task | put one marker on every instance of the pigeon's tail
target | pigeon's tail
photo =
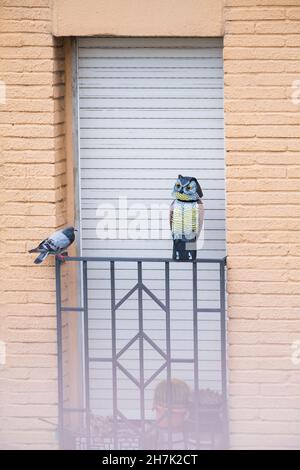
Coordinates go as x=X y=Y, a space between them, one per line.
x=41 y=258
x=34 y=250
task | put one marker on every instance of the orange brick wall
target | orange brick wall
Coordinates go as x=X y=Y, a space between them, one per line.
x=262 y=62
x=32 y=205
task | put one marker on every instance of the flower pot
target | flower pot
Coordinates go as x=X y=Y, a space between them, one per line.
x=176 y=419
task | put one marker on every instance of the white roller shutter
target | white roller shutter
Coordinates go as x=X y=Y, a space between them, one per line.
x=148 y=110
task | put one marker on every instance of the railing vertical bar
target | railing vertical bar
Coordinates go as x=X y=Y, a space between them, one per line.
x=196 y=355
x=223 y=350
x=141 y=352
x=114 y=353
x=168 y=351
x=59 y=355
x=86 y=353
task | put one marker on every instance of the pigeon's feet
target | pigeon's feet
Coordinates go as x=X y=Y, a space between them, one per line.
x=62 y=257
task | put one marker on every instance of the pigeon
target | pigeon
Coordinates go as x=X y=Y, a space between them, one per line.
x=55 y=244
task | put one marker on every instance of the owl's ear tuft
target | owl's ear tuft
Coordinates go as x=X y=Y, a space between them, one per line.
x=179 y=177
x=199 y=189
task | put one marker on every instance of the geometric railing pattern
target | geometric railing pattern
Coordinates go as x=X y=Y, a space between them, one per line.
x=204 y=423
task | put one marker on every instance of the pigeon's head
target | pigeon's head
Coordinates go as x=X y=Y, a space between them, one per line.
x=70 y=233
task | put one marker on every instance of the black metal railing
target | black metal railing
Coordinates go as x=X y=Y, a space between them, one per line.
x=201 y=421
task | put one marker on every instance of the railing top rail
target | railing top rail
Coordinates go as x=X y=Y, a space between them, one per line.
x=144 y=260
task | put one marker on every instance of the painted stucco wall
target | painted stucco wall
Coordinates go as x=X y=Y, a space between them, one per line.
x=138 y=18
x=262 y=113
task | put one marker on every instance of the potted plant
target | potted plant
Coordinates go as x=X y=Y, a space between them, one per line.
x=171 y=410
x=209 y=399
x=205 y=413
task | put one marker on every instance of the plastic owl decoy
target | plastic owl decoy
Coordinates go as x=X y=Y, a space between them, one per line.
x=186 y=217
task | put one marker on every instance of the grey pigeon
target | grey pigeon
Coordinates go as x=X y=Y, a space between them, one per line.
x=55 y=244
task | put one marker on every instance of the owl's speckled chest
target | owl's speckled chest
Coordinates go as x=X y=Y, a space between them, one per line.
x=185 y=220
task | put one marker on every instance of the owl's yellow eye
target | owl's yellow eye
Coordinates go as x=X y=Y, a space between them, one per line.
x=189 y=187
x=178 y=185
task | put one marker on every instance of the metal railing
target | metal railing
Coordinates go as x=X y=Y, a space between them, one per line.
x=203 y=422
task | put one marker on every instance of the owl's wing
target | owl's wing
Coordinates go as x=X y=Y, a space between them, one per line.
x=171 y=214
x=201 y=217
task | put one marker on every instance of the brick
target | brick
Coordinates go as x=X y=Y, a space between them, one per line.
x=264 y=300
x=237 y=415
x=280 y=390
x=295 y=376
x=41 y=436
x=24 y=208
x=272 y=363
x=293 y=40
x=25 y=13
x=43 y=446
x=293 y=13
x=245 y=389
x=32 y=361
x=256 y=172
x=293 y=172
x=255 y=41
x=262 y=106
x=17 y=323
x=267 y=210
x=32 y=410
x=250 y=92
x=33 y=424
x=263 y=198
x=264 y=402
x=29 y=3
x=29 y=156
x=33 y=348
x=248 y=13
x=258 y=249
x=259 y=376
x=35 y=398
x=263 y=287
x=239 y=27
x=240 y=3
x=257 y=275
x=272 y=158
x=255 y=66
x=258 y=350
x=277 y=2
x=250 y=337
x=236 y=312
x=25 y=39
x=256 y=3
x=261 y=53
x=264 y=325
x=30 y=183
x=265 y=428
x=25 y=26
x=268 y=262
x=280 y=415
x=264 y=442
x=277 y=27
